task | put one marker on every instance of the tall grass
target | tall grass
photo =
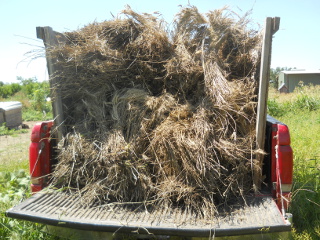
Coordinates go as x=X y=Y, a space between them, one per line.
x=303 y=98
x=301 y=112
x=306 y=200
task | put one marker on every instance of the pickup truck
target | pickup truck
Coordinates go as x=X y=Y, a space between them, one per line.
x=264 y=213
x=263 y=216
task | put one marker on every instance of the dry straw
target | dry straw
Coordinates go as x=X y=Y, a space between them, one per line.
x=158 y=117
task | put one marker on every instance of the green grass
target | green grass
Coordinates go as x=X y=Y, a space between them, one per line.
x=29 y=114
x=304 y=129
x=14 y=186
x=15 y=166
x=13 y=132
x=301 y=112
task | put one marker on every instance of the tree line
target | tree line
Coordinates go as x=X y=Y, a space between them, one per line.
x=28 y=86
x=31 y=89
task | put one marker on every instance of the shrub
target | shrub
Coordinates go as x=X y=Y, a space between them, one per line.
x=40 y=93
x=7 y=90
x=37 y=107
x=274 y=108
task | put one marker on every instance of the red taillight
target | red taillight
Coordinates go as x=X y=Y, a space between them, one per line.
x=283 y=138
x=39 y=155
x=285 y=164
x=282 y=162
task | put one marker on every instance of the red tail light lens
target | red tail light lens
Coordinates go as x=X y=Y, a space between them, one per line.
x=39 y=155
x=282 y=162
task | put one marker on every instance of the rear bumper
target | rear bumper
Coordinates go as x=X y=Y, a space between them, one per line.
x=77 y=234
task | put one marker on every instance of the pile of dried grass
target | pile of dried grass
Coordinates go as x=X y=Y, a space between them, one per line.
x=159 y=118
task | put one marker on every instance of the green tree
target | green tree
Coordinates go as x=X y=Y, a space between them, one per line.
x=5 y=91
x=15 y=87
x=28 y=85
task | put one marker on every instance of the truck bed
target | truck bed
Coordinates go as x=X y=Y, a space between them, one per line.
x=61 y=209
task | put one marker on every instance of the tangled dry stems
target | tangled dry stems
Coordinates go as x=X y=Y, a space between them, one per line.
x=155 y=117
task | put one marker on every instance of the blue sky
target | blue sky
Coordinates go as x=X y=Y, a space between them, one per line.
x=296 y=44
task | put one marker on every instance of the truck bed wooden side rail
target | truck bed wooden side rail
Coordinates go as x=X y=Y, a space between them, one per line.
x=271 y=27
x=51 y=39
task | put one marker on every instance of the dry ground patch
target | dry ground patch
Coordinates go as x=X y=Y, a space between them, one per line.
x=14 y=150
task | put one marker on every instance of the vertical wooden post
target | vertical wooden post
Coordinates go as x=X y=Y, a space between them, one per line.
x=271 y=27
x=51 y=39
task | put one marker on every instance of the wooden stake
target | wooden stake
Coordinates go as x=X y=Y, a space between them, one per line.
x=51 y=39
x=271 y=27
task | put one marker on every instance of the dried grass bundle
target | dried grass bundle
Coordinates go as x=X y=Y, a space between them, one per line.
x=159 y=119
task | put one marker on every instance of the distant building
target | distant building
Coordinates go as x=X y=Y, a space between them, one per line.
x=283 y=88
x=289 y=80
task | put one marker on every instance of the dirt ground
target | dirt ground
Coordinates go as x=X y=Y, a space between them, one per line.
x=14 y=150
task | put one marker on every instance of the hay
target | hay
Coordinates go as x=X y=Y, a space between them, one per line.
x=159 y=118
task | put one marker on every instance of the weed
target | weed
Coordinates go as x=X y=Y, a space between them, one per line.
x=274 y=108
x=307 y=102
x=14 y=187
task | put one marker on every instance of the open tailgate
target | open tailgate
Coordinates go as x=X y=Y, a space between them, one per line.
x=60 y=209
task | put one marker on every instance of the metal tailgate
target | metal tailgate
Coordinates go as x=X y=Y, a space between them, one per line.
x=60 y=209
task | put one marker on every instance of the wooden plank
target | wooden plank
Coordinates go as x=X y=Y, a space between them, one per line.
x=50 y=39
x=271 y=27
